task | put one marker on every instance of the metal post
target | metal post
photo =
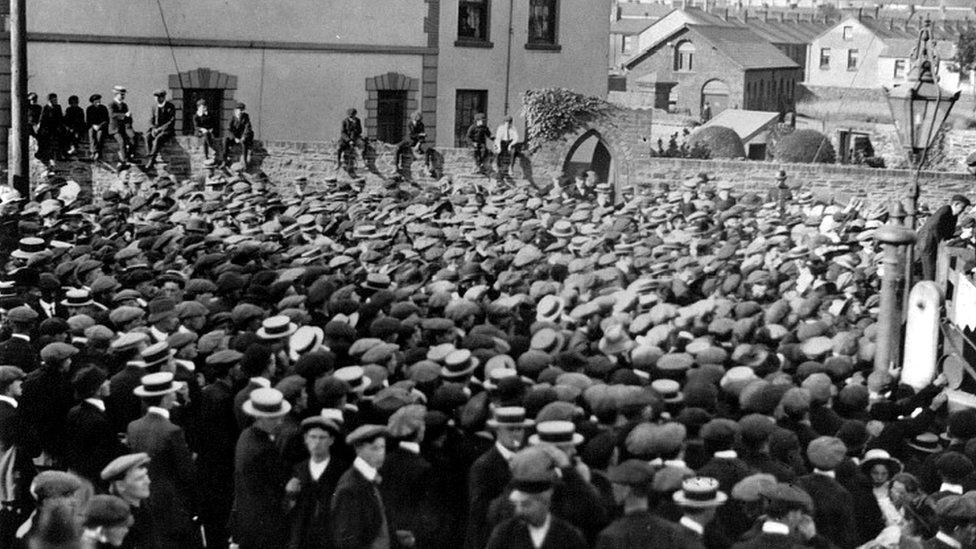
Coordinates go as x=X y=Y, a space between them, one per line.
x=897 y=212
x=891 y=237
x=19 y=161
x=508 y=52
x=782 y=189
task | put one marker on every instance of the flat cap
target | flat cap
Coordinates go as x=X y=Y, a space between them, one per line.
x=118 y=467
x=57 y=351
x=106 y=511
x=826 y=453
x=9 y=374
x=632 y=472
x=750 y=488
x=22 y=313
x=365 y=434
x=788 y=494
x=406 y=421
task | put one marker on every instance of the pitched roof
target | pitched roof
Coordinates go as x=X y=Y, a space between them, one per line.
x=744 y=47
x=747 y=124
x=902 y=48
x=640 y=10
x=630 y=27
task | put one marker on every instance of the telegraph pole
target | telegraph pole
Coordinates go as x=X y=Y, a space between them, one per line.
x=19 y=162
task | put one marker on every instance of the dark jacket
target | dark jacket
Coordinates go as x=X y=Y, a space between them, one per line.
x=357 y=512
x=487 y=479
x=13 y=433
x=407 y=479
x=117 y=121
x=309 y=518
x=834 y=515
x=638 y=529
x=162 y=118
x=259 y=480
x=52 y=119
x=352 y=129
x=171 y=471
x=479 y=135
x=218 y=437
x=514 y=534
x=19 y=352
x=937 y=228
x=74 y=118
x=91 y=441
x=96 y=115
x=122 y=405
x=205 y=122
x=47 y=397
x=240 y=128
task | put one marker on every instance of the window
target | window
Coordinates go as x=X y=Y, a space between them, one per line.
x=468 y=103
x=628 y=44
x=900 y=68
x=848 y=33
x=215 y=101
x=391 y=115
x=473 y=21
x=543 y=23
x=684 y=57
x=824 y=58
x=852 y=60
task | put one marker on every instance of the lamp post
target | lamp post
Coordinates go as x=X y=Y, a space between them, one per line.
x=783 y=191
x=892 y=238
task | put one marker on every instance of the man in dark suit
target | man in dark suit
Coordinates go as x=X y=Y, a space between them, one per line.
x=162 y=120
x=258 y=518
x=15 y=459
x=122 y=404
x=173 y=496
x=719 y=437
x=47 y=399
x=91 y=442
x=50 y=130
x=834 y=515
x=359 y=516
x=936 y=229
x=407 y=475
x=18 y=350
x=128 y=478
x=239 y=132
x=350 y=135
x=312 y=485
x=699 y=498
x=216 y=446
x=120 y=123
x=259 y=374
x=533 y=524
x=490 y=473
x=204 y=125
x=637 y=527
x=96 y=118
x=788 y=522
x=957 y=523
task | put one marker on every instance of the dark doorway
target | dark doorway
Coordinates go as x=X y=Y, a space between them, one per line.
x=467 y=104
x=391 y=115
x=215 y=100
x=590 y=153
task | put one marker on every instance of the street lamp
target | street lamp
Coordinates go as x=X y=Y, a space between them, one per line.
x=920 y=107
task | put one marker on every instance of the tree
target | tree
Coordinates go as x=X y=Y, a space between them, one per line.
x=719 y=141
x=966 y=50
x=805 y=146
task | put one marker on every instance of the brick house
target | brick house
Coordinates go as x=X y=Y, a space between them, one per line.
x=719 y=66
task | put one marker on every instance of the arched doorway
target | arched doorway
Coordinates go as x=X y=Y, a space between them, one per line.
x=715 y=94
x=590 y=152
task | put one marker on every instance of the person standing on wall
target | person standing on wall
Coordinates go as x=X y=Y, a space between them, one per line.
x=49 y=131
x=936 y=229
x=350 y=136
x=161 y=123
x=506 y=138
x=119 y=123
x=74 y=124
x=239 y=132
x=478 y=137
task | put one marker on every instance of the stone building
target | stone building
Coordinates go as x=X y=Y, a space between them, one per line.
x=299 y=64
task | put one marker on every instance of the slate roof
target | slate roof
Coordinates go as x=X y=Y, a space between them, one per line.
x=901 y=48
x=743 y=47
x=747 y=124
x=630 y=27
x=643 y=11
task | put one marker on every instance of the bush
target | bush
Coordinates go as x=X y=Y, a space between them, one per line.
x=719 y=141
x=551 y=113
x=805 y=146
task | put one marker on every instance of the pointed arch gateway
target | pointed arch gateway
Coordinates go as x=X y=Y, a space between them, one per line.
x=591 y=152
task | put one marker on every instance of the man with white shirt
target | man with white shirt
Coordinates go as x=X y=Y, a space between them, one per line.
x=312 y=484
x=957 y=523
x=699 y=498
x=172 y=467
x=506 y=138
x=788 y=522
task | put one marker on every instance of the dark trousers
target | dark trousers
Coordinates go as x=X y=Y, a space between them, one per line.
x=480 y=154
x=155 y=144
x=927 y=256
x=11 y=517
x=125 y=145
x=96 y=138
x=230 y=142
x=207 y=139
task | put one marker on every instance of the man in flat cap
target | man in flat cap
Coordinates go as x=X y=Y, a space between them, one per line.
x=92 y=443
x=18 y=350
x=172 y=468
x=938 y=228
x=350 y=137
x=16 y=468
x=120 y=123
x=478 y=136
x=408 y=476
x=47 y=399
x=957 y=523
x=834 y=513
x=128 y=478
x=96 y=119
x=312 y=485
x=788 y=520
x=239 y=133
x=106 y=522
x=359 y=515
x=162 y=120
x=638 y=527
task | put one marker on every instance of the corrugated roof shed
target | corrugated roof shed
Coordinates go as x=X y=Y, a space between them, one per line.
x=747 y=124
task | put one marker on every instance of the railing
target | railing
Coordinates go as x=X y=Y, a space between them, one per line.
x=959 y=322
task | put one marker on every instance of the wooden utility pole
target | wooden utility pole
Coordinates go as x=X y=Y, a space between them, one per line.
x=19 y=161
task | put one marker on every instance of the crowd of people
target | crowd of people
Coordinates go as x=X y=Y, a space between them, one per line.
x=319 y=365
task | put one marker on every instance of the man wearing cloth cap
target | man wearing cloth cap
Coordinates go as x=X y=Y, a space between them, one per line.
x=120 y=122
x=162 y=119
x=18 y=350
x=312 y=484
x=239 y=132
x=106 y=522
x=128 y=478
x=788 y=521
x=47 y=398
x=96 y=118
x=638 y=527
x=408 y=476
x=16 y=469
x=350 y=135
x=533 y=525
x=834 y=514
x=478 y=136
x=172 y=469
x=957 y=523
x=936 y=229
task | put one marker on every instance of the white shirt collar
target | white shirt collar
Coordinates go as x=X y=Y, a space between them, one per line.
x=949 y=487
x=726 y=454
x=538 y=533
x=262 y=381
x=675 y=463
x=947 y=539
x=505 y=452
x=410 y=446
x=9 y=400
x=25 y=337
x=830 y=474
x=316 y=469
x=690 y=524
x=160 y=411
x=96 y=402
x=773 y=527
x=366 y=469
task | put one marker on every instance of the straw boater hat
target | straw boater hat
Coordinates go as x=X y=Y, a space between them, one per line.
x=305 y=339
x=509 y=416
x=276 y=327
x=558 y=433
x=158 y=384
x=458 y=363
x=354 y=376
x=77 y=298
x=265 y=402
x=29 y=247
x=700 y=492
x=877 y=456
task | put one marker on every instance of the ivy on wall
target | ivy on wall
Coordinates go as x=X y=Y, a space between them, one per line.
x=551 y=113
